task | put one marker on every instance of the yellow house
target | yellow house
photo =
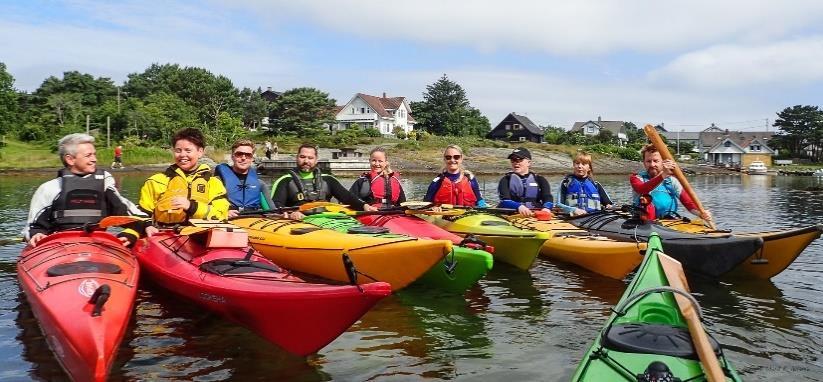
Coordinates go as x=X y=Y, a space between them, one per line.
x=741 y=153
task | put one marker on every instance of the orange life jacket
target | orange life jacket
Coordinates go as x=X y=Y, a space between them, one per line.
x=458 y=193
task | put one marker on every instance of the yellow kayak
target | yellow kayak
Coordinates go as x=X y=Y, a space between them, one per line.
x=597 y=253
x=512 y=245
x=398 y=260
x=779 y=250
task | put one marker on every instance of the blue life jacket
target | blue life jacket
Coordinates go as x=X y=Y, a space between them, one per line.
x=524 y=190
x=664 y=196
x=243 y=195
x=582 y=194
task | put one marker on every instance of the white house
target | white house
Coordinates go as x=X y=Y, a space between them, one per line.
x=382 y=113
x=594 y=127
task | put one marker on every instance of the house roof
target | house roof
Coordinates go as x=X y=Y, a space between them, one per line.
x=742 y=145
x=710 y=138
x=382 y=105
x=615 y=127
x=684 y=135
x=527 y=123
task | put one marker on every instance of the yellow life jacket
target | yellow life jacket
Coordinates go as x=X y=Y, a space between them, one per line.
x=194 y=186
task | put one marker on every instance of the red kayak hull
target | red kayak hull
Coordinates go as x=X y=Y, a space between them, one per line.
x=298 y=316
x=410 y=225
x=59 y=277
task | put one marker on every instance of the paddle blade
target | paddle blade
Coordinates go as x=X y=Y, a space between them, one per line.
x=416 y=205
x=677 y=279
x=327 y=205
x=116 y=221
x=189 y=230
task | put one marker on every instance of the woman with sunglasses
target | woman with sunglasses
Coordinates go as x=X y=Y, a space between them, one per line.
x=522 y=189
x=186 y=189
x=455 y=185
x=381 y=186
x=245 y=190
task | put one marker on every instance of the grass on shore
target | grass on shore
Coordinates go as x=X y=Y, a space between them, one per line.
x=23 y=155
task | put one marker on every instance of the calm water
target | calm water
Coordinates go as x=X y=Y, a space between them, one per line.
x=515 y=325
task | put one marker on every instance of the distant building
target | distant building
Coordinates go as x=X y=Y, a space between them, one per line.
x=592 y=128
x=382 y=113
x=270 y=96
x=516 y=128
x=719 y=146
x=690 y=137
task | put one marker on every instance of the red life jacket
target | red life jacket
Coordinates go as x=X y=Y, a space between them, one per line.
x=379 y=184
x=458 y=193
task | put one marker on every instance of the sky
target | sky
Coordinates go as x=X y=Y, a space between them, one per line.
x=686 y=64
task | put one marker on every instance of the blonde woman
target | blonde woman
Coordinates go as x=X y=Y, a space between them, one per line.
x=455 y=185
x=579 y=191
x=379 y=187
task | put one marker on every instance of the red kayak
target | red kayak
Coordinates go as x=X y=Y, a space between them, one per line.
x=410 y=225
x=81 y=287
x=244 y=287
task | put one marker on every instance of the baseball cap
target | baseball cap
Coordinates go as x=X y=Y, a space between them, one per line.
x=520 y=152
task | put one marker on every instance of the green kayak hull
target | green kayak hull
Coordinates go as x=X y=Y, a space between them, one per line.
x=459 y=270
x=620 y=352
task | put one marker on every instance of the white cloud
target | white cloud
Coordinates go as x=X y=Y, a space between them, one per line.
x=783 y=63
x=583 y=27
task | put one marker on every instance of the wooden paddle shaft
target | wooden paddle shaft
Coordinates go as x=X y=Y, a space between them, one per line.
x=677 y=279
x=661 y=147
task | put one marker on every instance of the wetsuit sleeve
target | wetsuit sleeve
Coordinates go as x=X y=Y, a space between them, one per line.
x=280 y=197
x=342 y=194
x=265 y=193
x=402 y=197
x=505 y=194
x=432 y=190
x=481 y=203
x=604 y=196
x=545 y=192
x=642 y=187
x=356 y=189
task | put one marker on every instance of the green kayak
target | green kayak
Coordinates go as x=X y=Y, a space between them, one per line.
x=647 y=338
x=512 y=245
x=459 y=270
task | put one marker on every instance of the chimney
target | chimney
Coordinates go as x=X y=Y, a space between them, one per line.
x=384 y=94
x=599 y=119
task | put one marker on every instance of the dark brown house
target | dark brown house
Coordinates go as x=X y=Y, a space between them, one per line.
x=516 y=128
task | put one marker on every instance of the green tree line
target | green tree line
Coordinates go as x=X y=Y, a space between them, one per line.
x=151 y=105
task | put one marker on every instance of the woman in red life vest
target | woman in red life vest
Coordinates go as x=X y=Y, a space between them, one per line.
x=455 y=185
x=379 y=187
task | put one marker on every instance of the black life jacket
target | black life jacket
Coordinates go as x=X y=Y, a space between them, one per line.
x=308 y=190
x=82 y=199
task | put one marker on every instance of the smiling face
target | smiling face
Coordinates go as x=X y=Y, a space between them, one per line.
x=307 y=159
x=186 y=154
x=242 y=158
x=453 y=159
x=653 y=163
x=84 y=161
x=520 y=165
x=581 y=169
x=378 y=162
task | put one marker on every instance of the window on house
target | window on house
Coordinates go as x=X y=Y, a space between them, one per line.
x=368 y=110
x=516 y=126
x=590 y=129
x=727 y=144
x=522 y=139
x=508 y=127
x=362 y=110
x=352 y=110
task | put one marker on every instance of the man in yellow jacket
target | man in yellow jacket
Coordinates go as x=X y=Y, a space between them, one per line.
x=185 y=190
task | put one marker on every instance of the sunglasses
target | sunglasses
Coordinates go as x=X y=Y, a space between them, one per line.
x=516 y=159
x=240 y=154
x=450 y=157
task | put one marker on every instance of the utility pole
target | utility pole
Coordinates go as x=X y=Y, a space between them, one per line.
x=108 y=132
x=87 y=124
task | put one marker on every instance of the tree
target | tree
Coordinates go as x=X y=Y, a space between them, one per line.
x=606 y=136
x=8 y=101
x=302 y=111
x=552 y=134
x=445 y=110
x=801 y=126
x=633 y=133
x=255 y=107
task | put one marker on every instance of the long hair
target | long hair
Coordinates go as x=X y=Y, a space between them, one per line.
x=68 y=145
x=585 y=159
x=380 y=149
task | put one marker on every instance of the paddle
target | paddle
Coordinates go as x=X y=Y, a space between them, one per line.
x=677 y=279
x=539 y=214
x=654 y=138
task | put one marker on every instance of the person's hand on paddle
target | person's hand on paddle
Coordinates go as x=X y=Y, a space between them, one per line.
x=524 y=211
x=234 y=213
x=37 y=237
x=294 y=215
x=126 y=241
x=151 y=231
x=668 y=168
x=369 y=207
x=706 y=215
x=437 y=209
x=579 y=211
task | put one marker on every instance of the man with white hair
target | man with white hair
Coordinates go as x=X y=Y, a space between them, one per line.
x=81 y=194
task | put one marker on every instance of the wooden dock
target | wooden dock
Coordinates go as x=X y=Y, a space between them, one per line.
x=329 y=166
